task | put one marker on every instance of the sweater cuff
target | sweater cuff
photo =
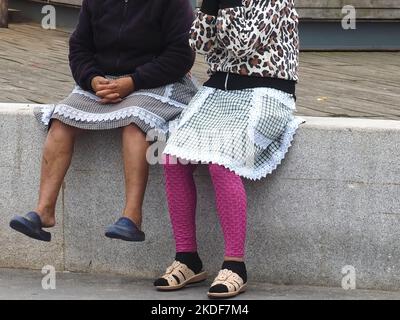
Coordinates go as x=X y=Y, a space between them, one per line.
x=210 y=7
x=136 y=81
x=223 y=4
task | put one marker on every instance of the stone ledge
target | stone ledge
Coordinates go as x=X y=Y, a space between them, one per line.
x=333 y=202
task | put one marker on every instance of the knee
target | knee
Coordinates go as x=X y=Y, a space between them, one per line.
x=217 y=170
x=133 y=130
x=223 y=176
x=174 y=167
x=60 y=131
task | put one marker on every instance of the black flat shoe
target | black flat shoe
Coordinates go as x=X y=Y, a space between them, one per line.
x=31 y=226
x=125 y=229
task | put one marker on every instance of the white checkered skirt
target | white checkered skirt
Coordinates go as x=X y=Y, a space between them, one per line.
x=247 y=131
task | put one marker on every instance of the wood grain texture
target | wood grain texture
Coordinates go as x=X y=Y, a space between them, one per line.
x=34 y=69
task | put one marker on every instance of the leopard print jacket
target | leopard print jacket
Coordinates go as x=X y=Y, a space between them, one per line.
x=259 y=38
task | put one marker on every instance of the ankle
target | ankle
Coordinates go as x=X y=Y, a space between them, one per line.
x=47 y=210
x=238 y=267
x=191 y=259
x=135 y=217
x=47 y=216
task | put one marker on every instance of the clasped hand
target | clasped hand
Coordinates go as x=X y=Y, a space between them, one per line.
x=112 y=91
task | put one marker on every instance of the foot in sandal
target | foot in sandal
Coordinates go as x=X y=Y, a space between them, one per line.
x=125 y=229
x=230 y=282
x=32 y=226
x=186 y=269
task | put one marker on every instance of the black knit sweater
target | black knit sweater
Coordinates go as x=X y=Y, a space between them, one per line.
x=147 y=39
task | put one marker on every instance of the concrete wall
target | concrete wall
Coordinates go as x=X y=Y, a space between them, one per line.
x=333 y=202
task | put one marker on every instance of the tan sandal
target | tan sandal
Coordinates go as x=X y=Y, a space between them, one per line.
x=179 y=275
x=232 y=281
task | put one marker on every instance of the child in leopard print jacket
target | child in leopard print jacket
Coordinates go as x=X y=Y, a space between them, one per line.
x=251 y=38
x=241 y=124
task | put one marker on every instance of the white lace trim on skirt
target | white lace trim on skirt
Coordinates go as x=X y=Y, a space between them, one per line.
x=246 y=172
x=71 y=113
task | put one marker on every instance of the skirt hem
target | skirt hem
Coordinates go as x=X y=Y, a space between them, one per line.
x=142 y=124
x=141 y=117
x=245 y=172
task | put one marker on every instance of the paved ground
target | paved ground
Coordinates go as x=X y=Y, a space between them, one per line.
x=34 y=68
x=26 y=285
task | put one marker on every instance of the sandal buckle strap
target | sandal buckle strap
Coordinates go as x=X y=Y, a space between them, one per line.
x=229 y=279
x=177 y=273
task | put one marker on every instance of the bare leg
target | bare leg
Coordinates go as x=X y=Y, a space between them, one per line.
x=136 y=167
x=57 y=155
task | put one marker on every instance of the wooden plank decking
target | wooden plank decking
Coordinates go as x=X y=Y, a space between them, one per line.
x=34 y=69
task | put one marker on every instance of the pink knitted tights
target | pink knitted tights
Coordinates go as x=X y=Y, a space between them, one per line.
x=230 y=199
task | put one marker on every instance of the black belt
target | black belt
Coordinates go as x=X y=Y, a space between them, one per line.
x=232 y=81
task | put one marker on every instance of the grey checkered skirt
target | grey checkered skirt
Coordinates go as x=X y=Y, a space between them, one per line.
x=247 y=131
x=148 y=109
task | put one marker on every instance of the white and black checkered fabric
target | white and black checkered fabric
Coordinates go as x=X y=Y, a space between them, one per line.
x=148 y=109
x=248 y=131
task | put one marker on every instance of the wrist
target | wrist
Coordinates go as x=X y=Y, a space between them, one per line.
x=136 y=81
x=91 y=82
x=130 y=84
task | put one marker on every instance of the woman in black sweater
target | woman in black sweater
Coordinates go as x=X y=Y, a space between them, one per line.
x=130 y=60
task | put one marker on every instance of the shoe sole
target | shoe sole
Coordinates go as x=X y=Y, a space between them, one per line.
x=121 y=234
x=195 y=279
x=214 y=295
x=21 y=227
